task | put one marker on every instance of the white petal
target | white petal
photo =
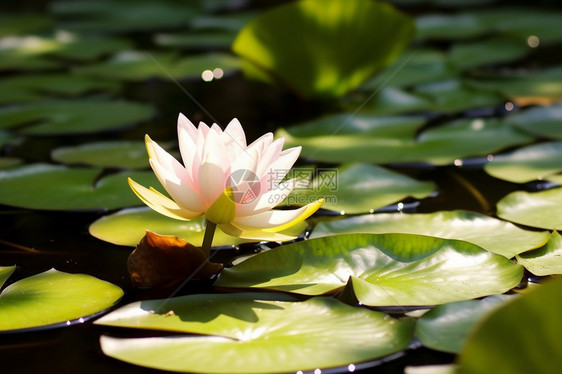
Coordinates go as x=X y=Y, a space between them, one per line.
x=232 y=230
x=235 y=131
x=183 y=194
x=167 y=162
x=279 y=168
x=270 y=154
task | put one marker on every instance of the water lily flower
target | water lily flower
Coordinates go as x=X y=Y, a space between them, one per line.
x=234 y=185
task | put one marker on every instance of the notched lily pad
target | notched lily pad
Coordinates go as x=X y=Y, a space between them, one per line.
x=53 y=297
x=253 y=333
x=379 y=269
x=546 y=260
x=56 y=187
x=540 y=121
x=489 y=233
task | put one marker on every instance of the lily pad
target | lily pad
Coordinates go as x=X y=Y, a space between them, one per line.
x=452 y=95
x=526 y=164
x=208 y=41
x=392 y=100
x=56 y=187
x=446 y=327
x=414 y=66
x=26 y=23
x=253 y=333
x=522 y=22
x=54 y=297
x=546 y=260
x=369 y=138
x=118 y=154
x=27 y=53
x=382 y=269
x=522 y=84
x=449 y=26
x=359 y=188
x=123 y=16
x=487 y=52
x=522 y=336
x=535 y=209
x=139 y=66
x=335 y=53
x=489 y=233
x=128 y=226
x=34 y=87
x=8 y=162
x=539 y=121
x=73 y=116
x=10 y=139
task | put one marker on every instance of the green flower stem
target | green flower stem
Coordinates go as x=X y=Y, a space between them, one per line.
x=208 y=238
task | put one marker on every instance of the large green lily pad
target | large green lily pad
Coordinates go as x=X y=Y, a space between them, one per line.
x=446 y=327
x=526 y=164
x=122 y=16
x=54 y=297
x=489 y=233
x=522 y=336
x=121 y=154
x=253 y=333
x=539 y=121
x=449 y=26
x=56 y=187
x=536 y=209
x=522 y=22
x=24 y=23
x=522 y=83
x=414 y=66
x=487 y=52
x=128 y=226
x=359 y=188
x=139 y=66
x=369 y=138
x=74 y=116
x=546 y=260
x=35 y=87
x=334 y=54
x=382 y=269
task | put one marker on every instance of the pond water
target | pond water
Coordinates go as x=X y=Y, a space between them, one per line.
x=40 y=239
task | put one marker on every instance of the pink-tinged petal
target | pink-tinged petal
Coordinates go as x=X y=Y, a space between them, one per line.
x=262 y=142
x=246 y=161
x=266 y=201
x=232 y=230
x=161 y=203
x=187 y=127
x=235 y=131
x=182 y=193
x=277 y=220
x=166 y=161
x=211 y=179
x=188 y=150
